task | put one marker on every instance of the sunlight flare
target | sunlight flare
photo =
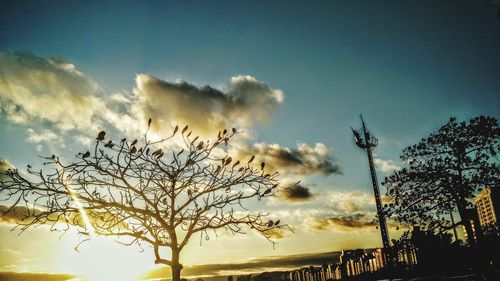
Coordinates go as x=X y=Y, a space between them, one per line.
x=81 y=210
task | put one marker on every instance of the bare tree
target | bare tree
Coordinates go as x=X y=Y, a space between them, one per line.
x=144 y=193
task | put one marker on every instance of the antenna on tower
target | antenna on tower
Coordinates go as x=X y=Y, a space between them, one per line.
x=367 y=141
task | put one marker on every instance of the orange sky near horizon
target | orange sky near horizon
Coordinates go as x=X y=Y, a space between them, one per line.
x=100 y=259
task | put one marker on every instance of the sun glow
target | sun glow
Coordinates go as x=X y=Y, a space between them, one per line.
x=102 y=259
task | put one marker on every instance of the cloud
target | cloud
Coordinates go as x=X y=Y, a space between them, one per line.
x=348 y=202
x=343 y=206
x=358 y=220
x=257 y=265
x=350 y=223
x=278 y=233
x=296 y=193
x=21 y=214
x=335 y=211
x=53 y=90
x=15 y=215
x=347 y=211
x=83 y=140
x=205 y=109
x=25 y=276
x=351 y=206
x=55 y=97
x=386 y=166
x=304 y=160
x=5 y=165
x=342 y=211
x=43 y=136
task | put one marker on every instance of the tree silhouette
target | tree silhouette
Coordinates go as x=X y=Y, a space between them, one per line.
x=156 y=193
x=442 y=172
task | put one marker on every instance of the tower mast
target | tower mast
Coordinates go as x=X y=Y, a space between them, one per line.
x=366 y=141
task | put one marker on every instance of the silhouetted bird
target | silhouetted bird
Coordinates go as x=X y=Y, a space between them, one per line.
x=87 y=154
x=200 y=145
x=101 y=135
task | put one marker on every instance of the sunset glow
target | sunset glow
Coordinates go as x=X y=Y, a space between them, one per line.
x=102 y=259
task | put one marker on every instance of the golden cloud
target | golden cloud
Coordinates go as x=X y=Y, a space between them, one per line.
x=16 y=214
x=205 y=109
x=5 y=165
x=358 y=220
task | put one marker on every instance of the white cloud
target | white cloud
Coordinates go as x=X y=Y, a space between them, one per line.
x=386 y=166
x=43 y=136
x=37 y=89
x=347 y=202
x=83 y=140
x=52 y=93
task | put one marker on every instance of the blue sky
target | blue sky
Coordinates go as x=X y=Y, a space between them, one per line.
x=406 y=65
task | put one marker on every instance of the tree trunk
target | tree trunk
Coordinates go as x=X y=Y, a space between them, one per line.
x=462 y=204
x=466 y=222
x=176 y=266
x=176 y=273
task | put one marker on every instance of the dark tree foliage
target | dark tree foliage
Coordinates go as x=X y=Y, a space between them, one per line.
x=490 y=243
x=442 y=172
x=435 y=253
x=146 y=192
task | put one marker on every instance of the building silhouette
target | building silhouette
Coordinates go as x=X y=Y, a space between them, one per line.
x=247 y=277
x=472 y=215
x=488 y=206
x=323 y=273
x=352 y=263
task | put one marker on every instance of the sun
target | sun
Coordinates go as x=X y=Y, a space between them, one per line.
x=102 y=259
